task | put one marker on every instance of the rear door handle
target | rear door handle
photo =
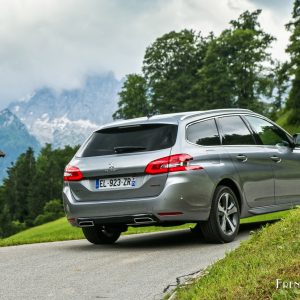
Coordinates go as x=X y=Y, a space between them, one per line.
x=242 y=157
x=276 y=158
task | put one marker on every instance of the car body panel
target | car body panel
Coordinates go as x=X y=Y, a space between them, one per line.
x=286 y=174
x=263 y=186
x=125 y=164
x=255 y=173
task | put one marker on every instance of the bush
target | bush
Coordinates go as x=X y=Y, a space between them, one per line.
x=51 y=211
x=11 y=228
x=17 y=226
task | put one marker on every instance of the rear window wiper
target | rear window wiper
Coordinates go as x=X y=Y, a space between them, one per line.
x=123 y=149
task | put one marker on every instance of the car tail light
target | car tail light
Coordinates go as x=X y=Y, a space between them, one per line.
x=170 y=214
x=172 y=163
x=72 y=174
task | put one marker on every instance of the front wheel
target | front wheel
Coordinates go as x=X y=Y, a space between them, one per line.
x=224 y=219
x=101 y=234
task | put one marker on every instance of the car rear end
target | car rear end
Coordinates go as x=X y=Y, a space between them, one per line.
x=135 y=174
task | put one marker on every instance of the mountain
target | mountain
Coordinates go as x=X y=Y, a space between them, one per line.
x=14 y=140
x=68 y=117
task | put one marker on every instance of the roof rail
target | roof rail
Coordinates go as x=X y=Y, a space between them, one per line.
x=216 y=111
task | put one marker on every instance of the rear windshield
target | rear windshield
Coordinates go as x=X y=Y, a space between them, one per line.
x=138 y=138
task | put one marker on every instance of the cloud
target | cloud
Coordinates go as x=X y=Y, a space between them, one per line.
x=56 y=43
x=277 y=6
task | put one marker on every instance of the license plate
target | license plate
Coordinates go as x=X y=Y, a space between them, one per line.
x=114 y=183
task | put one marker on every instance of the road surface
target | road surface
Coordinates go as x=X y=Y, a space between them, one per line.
x=142 y=266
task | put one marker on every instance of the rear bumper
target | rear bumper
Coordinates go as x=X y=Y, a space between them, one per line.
x=189 y=196
x=138 y=220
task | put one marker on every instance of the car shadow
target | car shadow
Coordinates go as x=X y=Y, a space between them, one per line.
x=165 y=239
x=255 y=226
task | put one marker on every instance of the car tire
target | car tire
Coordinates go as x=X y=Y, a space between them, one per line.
x=224 y=219
x=100 y=235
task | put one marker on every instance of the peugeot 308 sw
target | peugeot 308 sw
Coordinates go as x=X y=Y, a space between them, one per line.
x=207 y=167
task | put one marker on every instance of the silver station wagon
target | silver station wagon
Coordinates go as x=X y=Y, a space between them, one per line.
x=205 y=167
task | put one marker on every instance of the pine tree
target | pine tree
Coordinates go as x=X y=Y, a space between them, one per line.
x=31 y=184
x=15 y=187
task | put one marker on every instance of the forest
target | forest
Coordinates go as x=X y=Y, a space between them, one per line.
x=181 y=71
x=31 y=193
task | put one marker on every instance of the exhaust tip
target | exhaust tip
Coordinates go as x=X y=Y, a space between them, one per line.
x=86 y=223
x=143 y=220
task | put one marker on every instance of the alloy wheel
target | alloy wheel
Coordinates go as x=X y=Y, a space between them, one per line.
x=227 y=213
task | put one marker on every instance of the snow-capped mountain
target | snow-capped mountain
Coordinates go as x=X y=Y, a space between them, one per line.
x=68 y=117
x=14 y=139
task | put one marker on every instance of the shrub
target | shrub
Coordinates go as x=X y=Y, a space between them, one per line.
x=51 y=211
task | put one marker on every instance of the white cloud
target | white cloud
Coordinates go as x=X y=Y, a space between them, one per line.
x=56 y=43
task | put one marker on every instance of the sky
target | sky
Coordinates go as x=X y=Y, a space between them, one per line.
x=57 y=43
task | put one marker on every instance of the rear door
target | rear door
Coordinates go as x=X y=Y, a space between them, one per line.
x=204 y=144
x=285 y=160
x=113 y=162
x=250 y=160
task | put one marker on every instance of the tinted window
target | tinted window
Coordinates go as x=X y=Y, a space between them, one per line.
x=130 y=139
x=268 y=133
x=204 y=133
x=235 y=132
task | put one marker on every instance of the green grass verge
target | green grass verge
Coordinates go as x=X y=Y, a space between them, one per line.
x=250 y=271
x=60 y=230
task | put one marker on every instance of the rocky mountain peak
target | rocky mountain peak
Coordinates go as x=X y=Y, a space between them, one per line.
x=69 y=116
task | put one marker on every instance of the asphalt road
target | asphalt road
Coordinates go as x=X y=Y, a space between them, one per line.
x=136 y=267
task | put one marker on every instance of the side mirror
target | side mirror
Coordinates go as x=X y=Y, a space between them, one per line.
x=2 y=154
x=296 y=137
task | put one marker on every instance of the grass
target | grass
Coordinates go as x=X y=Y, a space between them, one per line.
x=60 y=230
x=250 y=271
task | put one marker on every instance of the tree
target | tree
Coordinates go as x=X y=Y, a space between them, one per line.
x=281 y=84
x=41 y=188
x=214 y=84
x=47 y=182
x=15 y=187
x=170 y=66
x=184 y=71
x=30 y=185
x=237 y=67
x=5 y=217
x=133 y=101
x=293 y=101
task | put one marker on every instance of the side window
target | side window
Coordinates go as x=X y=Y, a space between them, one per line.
x=235 y=131
x=268 y=133
x=203 y=133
